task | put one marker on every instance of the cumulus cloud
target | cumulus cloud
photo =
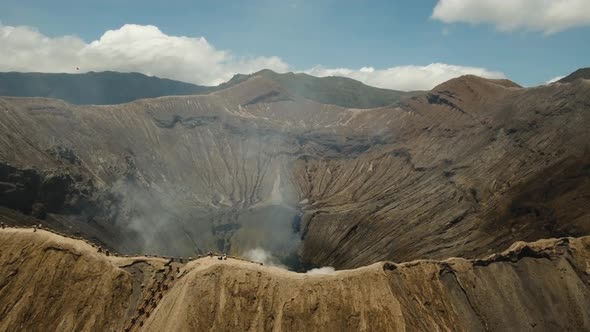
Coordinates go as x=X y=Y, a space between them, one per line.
x=555 y=79
x=146 y=49
x=406 y=78
x=131 y=48
x=548 y=16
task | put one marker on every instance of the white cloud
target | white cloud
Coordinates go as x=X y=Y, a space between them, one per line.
x=140 y=48
x=555 y=79
x=406 y=78
x=146 y=49
x=548 y=16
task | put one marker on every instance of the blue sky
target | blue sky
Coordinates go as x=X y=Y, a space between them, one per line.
x=328 y=33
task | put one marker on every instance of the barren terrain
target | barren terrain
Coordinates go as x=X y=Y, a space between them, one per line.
x=51 y=282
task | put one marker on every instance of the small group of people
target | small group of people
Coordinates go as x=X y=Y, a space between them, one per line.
x=3 y=226
x=220 y=257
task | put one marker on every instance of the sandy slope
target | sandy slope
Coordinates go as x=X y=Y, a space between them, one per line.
x=49 y=282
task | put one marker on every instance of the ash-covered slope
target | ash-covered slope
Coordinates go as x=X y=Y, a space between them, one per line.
x=469 y=168
x=49 y=282
x=171 y=175
x=472 y=166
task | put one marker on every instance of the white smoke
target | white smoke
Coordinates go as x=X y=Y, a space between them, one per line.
x=262 y=256
x=321 y=270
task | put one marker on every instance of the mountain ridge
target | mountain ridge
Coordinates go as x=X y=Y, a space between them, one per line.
x=107 y=88
x=95 y=290
x=336 y=90
x=581 y=73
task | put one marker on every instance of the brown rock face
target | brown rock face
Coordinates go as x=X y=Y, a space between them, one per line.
x=49 y=282
x=464 y=170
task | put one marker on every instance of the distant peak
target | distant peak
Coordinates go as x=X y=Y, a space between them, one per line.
x=333 y=90
x=473 y=81
x=582 y=73
x=265 y=72
x=249 y=90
